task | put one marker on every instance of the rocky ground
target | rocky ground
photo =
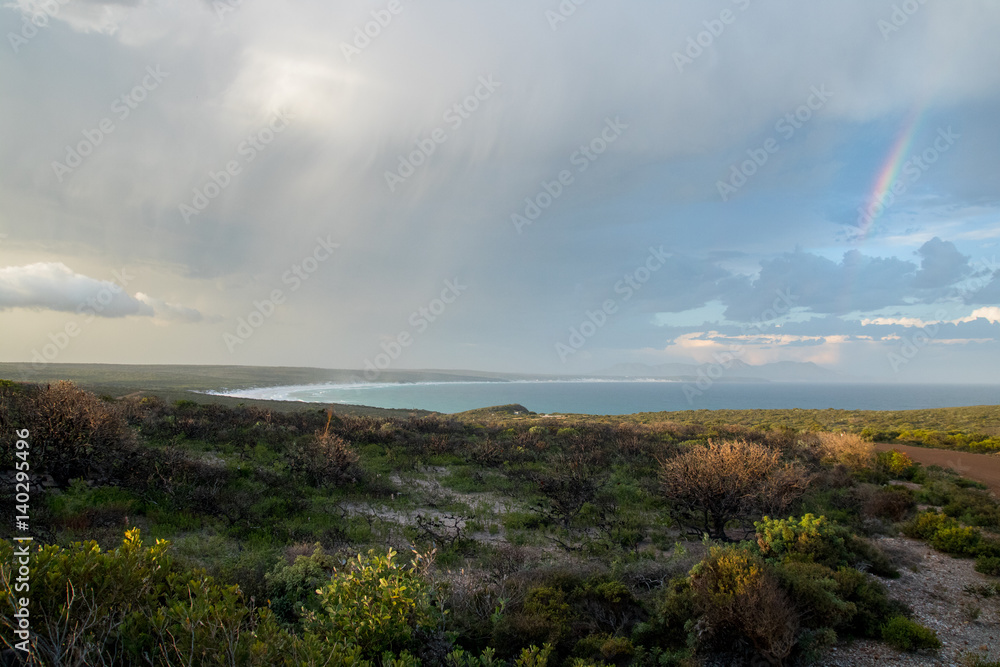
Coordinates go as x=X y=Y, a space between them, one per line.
x=946 y=595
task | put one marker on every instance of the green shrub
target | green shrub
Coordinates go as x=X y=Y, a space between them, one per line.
x=374 y=603
x=926 y=524
x=936 y=493
x=958 y=541
x=989 y=565
x=133 y=605
x=906 y=635
x=988 y=546
x=607 y=603
x=524 y=521
x=872 y=434
x=897 y=464
x=810 y=535
x=819 y=540
x=675 y=606
x=974 y=507
x=291 y=588
x=816 y=594
x=870 y=599
x=813 y=644
x=604 y=649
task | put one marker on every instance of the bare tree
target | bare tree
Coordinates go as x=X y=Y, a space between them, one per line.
x=712 y=485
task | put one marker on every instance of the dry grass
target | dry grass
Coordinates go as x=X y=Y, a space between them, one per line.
x=847 y=449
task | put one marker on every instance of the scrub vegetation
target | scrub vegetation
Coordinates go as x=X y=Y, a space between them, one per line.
x=202 y=534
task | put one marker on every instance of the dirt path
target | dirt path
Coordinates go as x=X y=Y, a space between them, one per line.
x=983 y=468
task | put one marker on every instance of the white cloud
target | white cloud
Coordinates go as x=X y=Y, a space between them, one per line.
x=990 y=314
x=897 y=321
x=169 y=312
x=54 y=286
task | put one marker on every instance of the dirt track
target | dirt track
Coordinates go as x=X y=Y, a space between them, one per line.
x=980 y=467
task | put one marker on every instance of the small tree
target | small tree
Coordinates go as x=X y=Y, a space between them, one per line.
x=709 y=486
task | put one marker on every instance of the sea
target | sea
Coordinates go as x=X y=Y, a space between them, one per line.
x=613 y=397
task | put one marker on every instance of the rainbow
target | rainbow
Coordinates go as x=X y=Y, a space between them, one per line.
x=887 y=174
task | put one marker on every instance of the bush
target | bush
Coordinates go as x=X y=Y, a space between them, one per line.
x=816 y=595
x=545 y=618
x=989 y=565
x=375 y=603
x=709 y=486
x=871 y=600
x=974 y=507
x=936 y=493
x=735 y=591
x=959 y=541
x=926 y=524
x=291 y=588
x=847 y=449
x=605 y=649
x=893 y=503
x=74 y=434
x=821 y=541
x=675 y=606
x=896 y=464
x=133 y=605
x=906 y=635
x=326 y=459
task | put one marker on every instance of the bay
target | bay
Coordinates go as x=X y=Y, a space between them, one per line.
x=625 y=397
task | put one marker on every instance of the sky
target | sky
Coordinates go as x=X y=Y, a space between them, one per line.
x=533 y=186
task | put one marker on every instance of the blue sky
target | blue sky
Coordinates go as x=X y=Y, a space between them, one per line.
x=537 y=187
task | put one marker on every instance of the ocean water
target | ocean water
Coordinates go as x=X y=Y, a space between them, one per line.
x=625 y=397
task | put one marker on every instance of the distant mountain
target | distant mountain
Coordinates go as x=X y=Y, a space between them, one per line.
x=781 y=371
